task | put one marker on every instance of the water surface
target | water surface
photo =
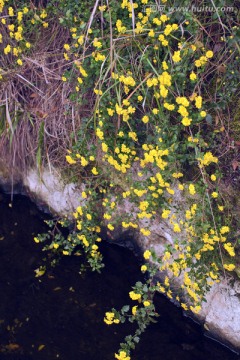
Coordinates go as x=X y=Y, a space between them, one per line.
x=60 y=315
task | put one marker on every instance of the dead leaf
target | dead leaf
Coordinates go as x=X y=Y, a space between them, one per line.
x=51 y=277
x=235 y=164
x=41 y=347
x=12 y=347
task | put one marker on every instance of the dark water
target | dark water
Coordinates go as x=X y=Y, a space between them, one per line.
x=60 y=315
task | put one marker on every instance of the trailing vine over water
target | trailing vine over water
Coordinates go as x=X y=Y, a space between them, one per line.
x=152 y=139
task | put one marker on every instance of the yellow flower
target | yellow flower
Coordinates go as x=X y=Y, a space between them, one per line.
x=229 y=267
x=176 y=228
x=36 y=240
x=19 y=62
x=94 y=171
x=66 y=47
x=198 y=102
x=134 y=296
x=208 y=158
x=65 y=252
x=176 y=56
x=84 y=195
x=134 y=310
x=229 y=248
x=147 y=254
x=122 y=356
x=102 y=8
x=180 y=187
x=214 y=194
x=186 y=121
x=193 y=76
x=146 y=303
x=209 y=54
x=145 y=232
x=7 y=49
x=104 y=147
x=191 y=189
x=224 y=229
x=89 y=216
x=55 y=246
x=203 y=114
x=213 y=177
x=145 y=119
x=110 y=227
x=143 y=268
x=70 y=160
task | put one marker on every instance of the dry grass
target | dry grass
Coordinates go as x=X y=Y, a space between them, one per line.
x=38 y=120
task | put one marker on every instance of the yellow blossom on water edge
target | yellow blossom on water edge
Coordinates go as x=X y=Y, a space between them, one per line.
x=55 y=246
x=36 y=240
x=40 y=271
x=147 y=254
x=122 y=356
x=143 y=268
x=65 y=252
x=110 y=227
x=134 y=296
x=134 y=310
x=146 y=303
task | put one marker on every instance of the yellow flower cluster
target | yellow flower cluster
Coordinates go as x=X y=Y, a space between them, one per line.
x=110 y=319
x=122 y=356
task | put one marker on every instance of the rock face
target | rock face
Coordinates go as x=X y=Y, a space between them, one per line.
x=49 y=188
x=220 y=314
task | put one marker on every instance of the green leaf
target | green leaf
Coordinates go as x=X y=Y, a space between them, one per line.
x=125 y=308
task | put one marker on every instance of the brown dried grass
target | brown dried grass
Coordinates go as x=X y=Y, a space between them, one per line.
x=35 y=95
